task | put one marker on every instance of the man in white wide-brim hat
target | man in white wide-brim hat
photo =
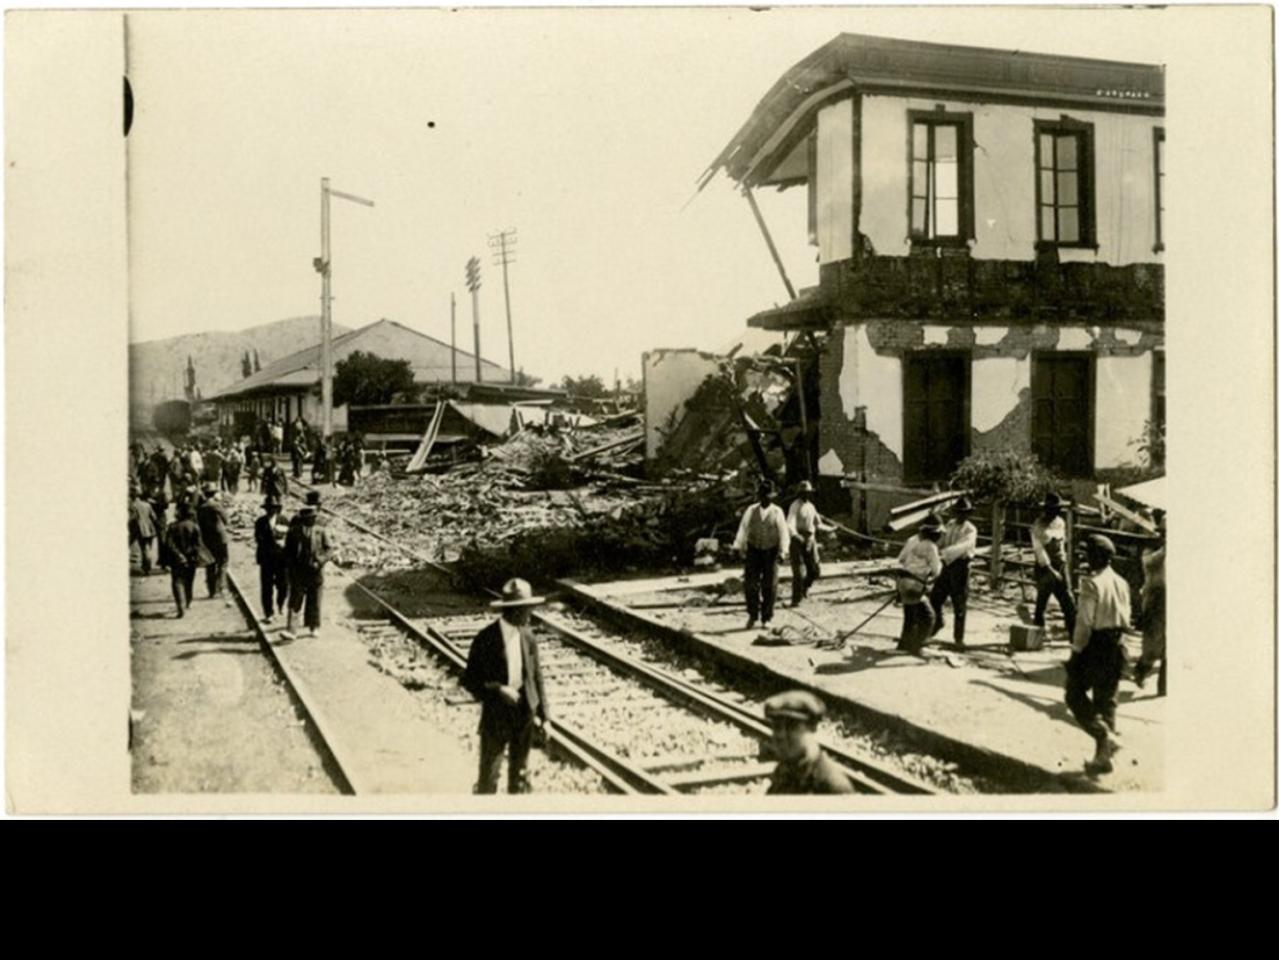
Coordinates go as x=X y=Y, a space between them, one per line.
x=502 y=672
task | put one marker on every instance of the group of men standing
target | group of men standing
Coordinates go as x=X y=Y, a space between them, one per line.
x=934 y=566
x=197 y=537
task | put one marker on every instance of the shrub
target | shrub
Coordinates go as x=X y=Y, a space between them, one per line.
x=1005 y=476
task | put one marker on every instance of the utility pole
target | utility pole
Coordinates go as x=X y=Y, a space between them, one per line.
x=473 y=284
x=324 y=267
x=503 y=247
x=453 y=334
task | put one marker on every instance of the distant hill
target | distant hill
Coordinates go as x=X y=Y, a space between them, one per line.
x=156 y=367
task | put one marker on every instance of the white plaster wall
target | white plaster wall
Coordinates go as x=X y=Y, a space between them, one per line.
x=996 y=384
x=1004 y=179
x=835 y=181
x=1075 y=338
x=1123 y=405
x=671 y=377
x=830 y=465
x=874 y=382
x=935 y=335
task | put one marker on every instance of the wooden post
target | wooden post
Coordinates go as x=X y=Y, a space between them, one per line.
x=996 y=542
x=1070 y=542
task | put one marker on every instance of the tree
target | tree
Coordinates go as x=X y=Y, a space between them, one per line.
x=257 y=364
x=587 y=387
x=365 y=379
x=246 y=367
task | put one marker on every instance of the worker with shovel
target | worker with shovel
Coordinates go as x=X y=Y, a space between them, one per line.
x=918 y=564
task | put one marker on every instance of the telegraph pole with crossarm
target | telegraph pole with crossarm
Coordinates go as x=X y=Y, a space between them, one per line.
x=503 y=247
x=473 y=284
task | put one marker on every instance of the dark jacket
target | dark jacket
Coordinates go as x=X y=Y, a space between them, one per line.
x=213 y=523
x=182 y=545
x=269 y=550
x=307 y=547
x=486 y=664
x=819 y=776
x=274 y=483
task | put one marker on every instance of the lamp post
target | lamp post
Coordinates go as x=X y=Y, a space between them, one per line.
x=324 y=266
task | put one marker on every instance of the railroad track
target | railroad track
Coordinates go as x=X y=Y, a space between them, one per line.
x=643 y=729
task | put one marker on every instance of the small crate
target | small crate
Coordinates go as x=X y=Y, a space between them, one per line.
x=1024 y=637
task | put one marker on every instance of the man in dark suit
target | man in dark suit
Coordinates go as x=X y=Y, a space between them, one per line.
x=503 y=673
x=213 y=531
x=307 y=548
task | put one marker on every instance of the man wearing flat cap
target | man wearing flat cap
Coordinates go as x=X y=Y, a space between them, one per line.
x=1097 y=652
x=802 y=767
x=958 y=546
x=764 y=538
x=503 y=673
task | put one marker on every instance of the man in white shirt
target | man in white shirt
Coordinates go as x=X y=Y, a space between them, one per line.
x=958 y=546
x=803 y=521
x=1097 y=652
x=765 y=539
x=918 y=564
x=1048 y=541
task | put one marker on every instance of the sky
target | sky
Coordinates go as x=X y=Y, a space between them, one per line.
x=585 y=131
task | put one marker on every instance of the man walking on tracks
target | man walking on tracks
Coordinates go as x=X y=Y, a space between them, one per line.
x=503 y=673
x=1097 y=653
x=802 y=767
x=958 y=546
x=183 y=552
x=804 y=522
x=213 y=531
x=307 y=549
x=765 y=539
x=1048 y=540
x=270 y=534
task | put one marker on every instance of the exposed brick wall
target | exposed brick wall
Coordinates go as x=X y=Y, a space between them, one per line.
x=1011 y=433
x=893 y=338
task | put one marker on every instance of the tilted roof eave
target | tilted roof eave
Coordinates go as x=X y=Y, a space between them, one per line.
x=879 y=64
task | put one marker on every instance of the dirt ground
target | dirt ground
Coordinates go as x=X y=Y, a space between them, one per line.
x=208 y=714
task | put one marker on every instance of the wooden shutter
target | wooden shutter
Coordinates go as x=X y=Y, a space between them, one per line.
x=1062 y=419
x=935 y=414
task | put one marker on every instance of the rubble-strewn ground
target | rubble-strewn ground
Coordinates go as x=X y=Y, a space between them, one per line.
x=427 y=594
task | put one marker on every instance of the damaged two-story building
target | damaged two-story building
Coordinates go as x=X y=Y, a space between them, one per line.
x=989 y=226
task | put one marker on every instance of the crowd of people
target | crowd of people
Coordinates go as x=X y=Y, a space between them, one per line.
x=194 y=479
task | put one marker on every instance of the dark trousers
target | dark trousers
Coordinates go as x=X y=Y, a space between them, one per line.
x=805 y=567
x=1096 y=669
x=182 y=579
x=917 y=626
x=215 y=572
x=273 y=580
x=305 y=587
x=144 y=548
x=1047 y=585
x=952 y=583
x=761 y=583
x=493 y=744
x=297 y=466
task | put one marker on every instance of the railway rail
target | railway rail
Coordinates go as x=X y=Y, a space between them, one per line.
x=642 y=729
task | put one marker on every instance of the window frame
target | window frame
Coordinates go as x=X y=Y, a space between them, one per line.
x=1159 y=398
x=963 y=121
x=1084 y=166
x=1089 y=359
x=1157 y=142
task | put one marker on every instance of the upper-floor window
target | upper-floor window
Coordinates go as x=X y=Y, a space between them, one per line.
x=1064 y=183
x=941 y=177
x=1159 y=189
